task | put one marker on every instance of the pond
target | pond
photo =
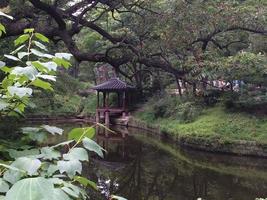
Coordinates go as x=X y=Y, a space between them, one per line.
x=147 y=167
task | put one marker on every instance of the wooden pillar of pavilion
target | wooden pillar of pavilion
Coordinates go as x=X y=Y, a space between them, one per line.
x=97 y=112
x=104 y=99
x=107 y=119
x=124 y=104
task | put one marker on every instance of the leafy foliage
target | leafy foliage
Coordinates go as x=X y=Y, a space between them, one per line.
x=53 y=170
x=37 y=72
x=40 y=173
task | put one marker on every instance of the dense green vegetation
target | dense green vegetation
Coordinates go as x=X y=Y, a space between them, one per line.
x=189 y=119
x=28 y=168
x=199 y=68
x=65 y=100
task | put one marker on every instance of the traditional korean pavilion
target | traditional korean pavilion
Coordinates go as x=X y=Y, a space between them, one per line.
x=122 y=92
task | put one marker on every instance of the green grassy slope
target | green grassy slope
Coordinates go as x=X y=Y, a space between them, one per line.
x=216 y=123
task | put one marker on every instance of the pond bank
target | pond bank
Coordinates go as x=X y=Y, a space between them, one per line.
x=60 y=119
x=210 y=144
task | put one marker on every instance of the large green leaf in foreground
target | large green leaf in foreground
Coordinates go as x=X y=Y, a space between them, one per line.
x=4 y=187
x=80 y=133
x=32 y=189
x=91 y=145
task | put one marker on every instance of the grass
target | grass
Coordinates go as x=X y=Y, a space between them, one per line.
x=217 y=123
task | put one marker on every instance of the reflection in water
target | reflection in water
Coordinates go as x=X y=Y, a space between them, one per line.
x=149 y=169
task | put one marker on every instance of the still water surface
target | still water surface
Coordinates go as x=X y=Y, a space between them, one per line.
x=149 y=168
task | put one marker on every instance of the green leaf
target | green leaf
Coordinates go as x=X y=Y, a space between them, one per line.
x=17 y=49
x=29 y=71
x=66 y=56
x=42 y=84
x=21 y=39
x=62 y=62
x=2 y=29
x=21 y=55
x=38 y=66
x=34 y=134
x=63 y=144
x=12 y=176
x=53 y=129
x=6 y=70
x=3 y=104
x=49 y=153
x=51 y=66
x=32 y=189
x=117 y=197
x=29 y=30
x=78 y=134
x=70 y=167
x=41 y=37
x=51 y=170
x=41 y=54
x=77 y=190
x=4 y=187
x=5 y=15
x=85 y=182
x=33 y=153
x=12 y=57
x=10 y=167
x=91 y=145
x=60 y=195
x=47 y=77
x=76 y=154
x=19 y=91
x=40 y=45
x=2 y=64
x=30 y=165
x=70 y=192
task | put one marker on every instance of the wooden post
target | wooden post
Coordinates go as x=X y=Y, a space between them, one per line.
x=107 y=102
x=104 y=99
x=97 y=116
x=107 y=119
x=97 y=99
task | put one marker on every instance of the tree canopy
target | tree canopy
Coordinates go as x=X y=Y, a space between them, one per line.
x=160 y=34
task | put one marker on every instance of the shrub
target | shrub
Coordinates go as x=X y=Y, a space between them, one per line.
x=89 y=104
x=253 y=101
x=188 y=112
x=165 y=106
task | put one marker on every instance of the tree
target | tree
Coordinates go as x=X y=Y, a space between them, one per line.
x=131 y=33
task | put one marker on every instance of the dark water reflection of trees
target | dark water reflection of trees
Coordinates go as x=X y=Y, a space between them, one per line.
x=151 y=169
x=146 y=171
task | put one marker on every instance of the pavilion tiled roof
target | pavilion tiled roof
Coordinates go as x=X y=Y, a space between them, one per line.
x=113 y=84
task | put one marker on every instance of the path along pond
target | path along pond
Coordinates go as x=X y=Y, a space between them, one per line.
x=148 y=167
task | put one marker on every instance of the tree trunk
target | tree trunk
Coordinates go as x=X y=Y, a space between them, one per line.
x=178 y=85
x=194 y=87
